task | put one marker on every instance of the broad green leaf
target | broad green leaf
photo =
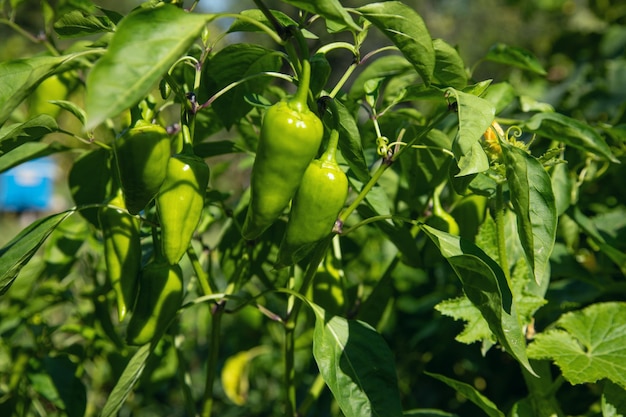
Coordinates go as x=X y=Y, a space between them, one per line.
x=331 y=10
x=475 y=116
x=33 y=130
x=15 y=254
x=571 y=132
x=600 y=239
x=486 y=287
x=449 y=67
x=29 y=151
x=562 y=187
x=357 y=365
x=79 y=23
x=515 y=57
x=587 y=345
x=350 y=144
x=533 y=202
x=230 y=65
x=613 y=400
x=19 y=78
x=406 y=29
x=145 y=45
x=383 y=67
x=471 y=394
x=476 y=327
x=127 y=381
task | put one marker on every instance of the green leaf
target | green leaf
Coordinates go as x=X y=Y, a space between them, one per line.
x=350 y=144
x=534 y=204
x=471 y=394
x=79 y=23
x=331 y=10
x=357 y=365
x=486 y=286
x=587 y=345
x=613 y=400
x=500 y=95
x=562 y=187
x=69 y=387
x=570 y=131
x=15 y=254
x=600 y=239
x=33 y=130
x=145 y=45
x=19 y=78
x=230 y=65
x=406 y=29
x=383 y=67
x=127 y=380
x=73 y=108
x=241 y=25
x=449 y=67
x=29 y=151
x=515 y=57
x=475 y=116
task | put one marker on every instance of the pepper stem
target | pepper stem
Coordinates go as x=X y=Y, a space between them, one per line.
x=302 y=94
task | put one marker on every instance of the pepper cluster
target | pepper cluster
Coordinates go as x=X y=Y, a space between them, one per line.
x=151 y=292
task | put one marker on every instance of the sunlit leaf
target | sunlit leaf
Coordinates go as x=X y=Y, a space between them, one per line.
x=15 y=254
x=33 y=130
x=357 y=365
x=145 y=45
x=407 y=30
x=515 y=57
x=475 y=116
x=449 y=67
x=534 y=204
x=571 y=132
x=587 y=345
x=332 y=10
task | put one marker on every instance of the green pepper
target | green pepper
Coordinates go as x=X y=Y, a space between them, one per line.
x=122 y=252
x=160 y=296
x=315 y=207
x=142 y=153
x=180 y=202
x=290 y=138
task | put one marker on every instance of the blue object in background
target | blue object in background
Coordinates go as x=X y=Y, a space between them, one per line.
x=28 y=187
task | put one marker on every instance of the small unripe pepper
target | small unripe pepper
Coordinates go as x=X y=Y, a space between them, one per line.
x=160 y=296
x=122 y=252
x=291 y=135
x=180 y=202
x=315 y=207
x=142 y=153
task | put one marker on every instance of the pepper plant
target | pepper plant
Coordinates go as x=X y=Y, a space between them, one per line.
x=361 y=196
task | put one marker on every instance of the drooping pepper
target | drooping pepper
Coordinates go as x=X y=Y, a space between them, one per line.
x=291 y=135
x=122 y=252
x=142 y=153
x=160 y=296
x=180 y=202
x=315 y=207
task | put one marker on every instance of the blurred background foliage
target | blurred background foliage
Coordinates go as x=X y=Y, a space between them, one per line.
x=581 y=44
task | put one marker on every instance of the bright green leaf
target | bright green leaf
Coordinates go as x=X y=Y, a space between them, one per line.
x=33 y=130
x=357 y=365
x=145 y=45
x=475 y=116
x=515 y=57
x=78 y=23
x=533 y=202
x=560 y=128
x=331 y=10
x=15 y=254
x=28 y=152
x=406 y=29
x=19 y=78
x=127 y=381
x=486 y=286
x=471 y=394
x=350 y=144
x=449 y=67
x=587 y=345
